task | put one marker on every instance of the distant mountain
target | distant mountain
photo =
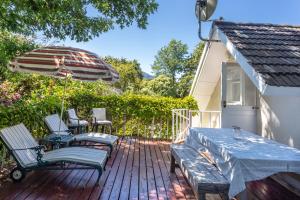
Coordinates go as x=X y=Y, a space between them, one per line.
x=147 y=76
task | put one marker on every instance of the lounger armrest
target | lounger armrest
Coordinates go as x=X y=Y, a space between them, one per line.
x=40 y=147
x=38 y=150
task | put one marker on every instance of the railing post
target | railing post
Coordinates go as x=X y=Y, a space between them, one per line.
x=167 y=124
x=152 y=129
x=124 y=124
x=190 y=118
x=173 y=125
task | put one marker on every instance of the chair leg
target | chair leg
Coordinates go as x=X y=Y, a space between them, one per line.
x=110 y=128
x=172 y=166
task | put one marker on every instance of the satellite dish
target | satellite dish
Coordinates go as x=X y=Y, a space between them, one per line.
x=206 y=9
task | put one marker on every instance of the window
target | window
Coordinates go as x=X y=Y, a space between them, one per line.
x=234 y=86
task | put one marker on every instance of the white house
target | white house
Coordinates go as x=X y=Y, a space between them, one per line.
x=252 y=76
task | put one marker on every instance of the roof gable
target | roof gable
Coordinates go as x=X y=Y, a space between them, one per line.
x=273 y=51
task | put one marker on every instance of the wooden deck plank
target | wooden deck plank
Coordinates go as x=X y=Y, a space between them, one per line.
x=143 y=186
x=180 y=191
x=152 y=193
x=107 y=188
x=11 y=190
x=39 y=190
x=138 y=169
x=171 y=192
x=134 y=185
x=64 y=184
x=91 y=188
x=125 y=189
x=81 y=186
x=46 y=193
x=189 y=194
x=33 y=186
x=110 y=170
x=116 y=190
x=160 y=188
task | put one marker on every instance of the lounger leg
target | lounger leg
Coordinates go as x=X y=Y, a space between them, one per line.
x=172 y=166
x=99 y=175
x=111 y=147
x=202 y=196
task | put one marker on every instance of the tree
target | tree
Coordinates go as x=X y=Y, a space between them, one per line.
x=70 y=18
x=170 y=60
x=12 y=45
x=160 y=86
x=130 y=73
x=191 y=64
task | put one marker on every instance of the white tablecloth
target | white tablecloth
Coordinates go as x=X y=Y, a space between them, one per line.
x=247 y=159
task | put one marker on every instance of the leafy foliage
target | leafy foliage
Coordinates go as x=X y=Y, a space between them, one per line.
x=69 y=18
x=170 y=59
x=174 y=62
x=130 y=73
x=161 y=86
x=185 y=82
x=12 y=45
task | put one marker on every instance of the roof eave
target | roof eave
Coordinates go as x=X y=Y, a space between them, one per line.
x=255 y=77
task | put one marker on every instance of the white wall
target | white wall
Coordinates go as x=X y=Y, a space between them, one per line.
x=279 y=119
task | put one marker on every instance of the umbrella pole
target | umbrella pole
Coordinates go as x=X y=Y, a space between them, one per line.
x=62 y=104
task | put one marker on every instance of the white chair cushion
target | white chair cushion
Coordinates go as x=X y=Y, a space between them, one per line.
x=81 y=123
x=97 y=137
x=78 y=155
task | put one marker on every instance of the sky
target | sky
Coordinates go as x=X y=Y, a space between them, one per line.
x=175 y=19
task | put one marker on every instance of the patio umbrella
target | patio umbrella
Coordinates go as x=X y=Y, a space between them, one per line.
x=60 y=62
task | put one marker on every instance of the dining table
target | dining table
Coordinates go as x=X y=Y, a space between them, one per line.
x=245 y=156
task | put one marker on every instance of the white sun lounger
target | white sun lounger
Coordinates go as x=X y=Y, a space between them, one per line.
x=52 y=122
x=29 y=155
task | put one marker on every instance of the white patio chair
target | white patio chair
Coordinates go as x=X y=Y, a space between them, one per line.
x=99 y=119
x=29 y=155
x=75 y=122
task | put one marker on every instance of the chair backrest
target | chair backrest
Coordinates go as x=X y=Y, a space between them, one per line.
x=52 y=122
x=99 y=114
x=73 y=118
x=18 y=137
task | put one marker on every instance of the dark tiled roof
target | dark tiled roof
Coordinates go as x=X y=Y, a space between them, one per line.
x=272 y=50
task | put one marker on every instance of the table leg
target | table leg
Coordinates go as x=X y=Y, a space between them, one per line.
x=242 y=195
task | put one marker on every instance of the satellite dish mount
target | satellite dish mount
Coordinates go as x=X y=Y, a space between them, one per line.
x=204 y=9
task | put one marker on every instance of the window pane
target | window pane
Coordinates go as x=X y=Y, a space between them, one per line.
x=233 y=85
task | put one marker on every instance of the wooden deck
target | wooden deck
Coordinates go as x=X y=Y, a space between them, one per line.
x=138 y=169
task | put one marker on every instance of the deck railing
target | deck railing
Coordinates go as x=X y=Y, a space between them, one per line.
x=183 y=119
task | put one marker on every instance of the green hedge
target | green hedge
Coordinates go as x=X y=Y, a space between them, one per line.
x=140 y=111
x=138 y=114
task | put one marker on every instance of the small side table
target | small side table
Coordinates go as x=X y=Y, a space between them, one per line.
x=56 y=141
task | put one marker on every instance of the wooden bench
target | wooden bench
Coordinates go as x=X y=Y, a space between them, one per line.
x=202 y=175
